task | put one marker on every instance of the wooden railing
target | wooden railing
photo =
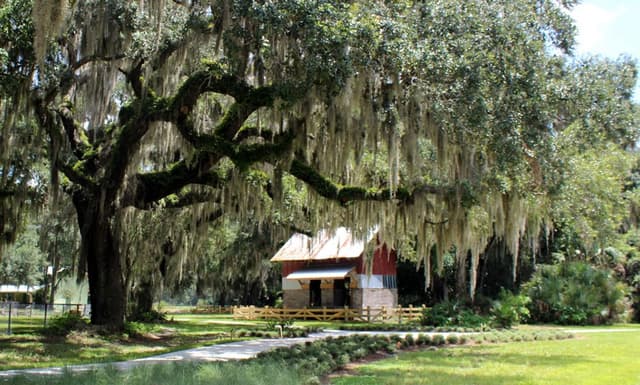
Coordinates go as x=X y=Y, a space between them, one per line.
x=396 y=314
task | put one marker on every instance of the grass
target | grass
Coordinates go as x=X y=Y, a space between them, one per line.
x=183 y=374
x=589 y=359
x=27 y=348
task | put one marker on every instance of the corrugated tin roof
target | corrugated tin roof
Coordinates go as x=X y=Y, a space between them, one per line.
x=325 y=245
x=19 y=288
x=321 y=272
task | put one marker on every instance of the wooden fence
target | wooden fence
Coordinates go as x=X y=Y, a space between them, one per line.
x=212 y=309
x=396 y=314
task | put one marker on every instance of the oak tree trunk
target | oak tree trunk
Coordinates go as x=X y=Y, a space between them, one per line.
x=100 y=248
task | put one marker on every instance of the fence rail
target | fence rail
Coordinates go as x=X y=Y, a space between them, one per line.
x=396 y=314
x=212 y=309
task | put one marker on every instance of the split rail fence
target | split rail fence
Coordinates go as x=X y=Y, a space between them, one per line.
x=394 y=314
x=212 y=309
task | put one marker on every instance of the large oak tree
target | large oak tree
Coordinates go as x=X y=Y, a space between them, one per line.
x=159 y=104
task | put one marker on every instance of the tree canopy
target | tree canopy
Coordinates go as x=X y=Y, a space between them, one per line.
x=210 y=106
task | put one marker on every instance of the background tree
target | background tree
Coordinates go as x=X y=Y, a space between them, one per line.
x=23 y=263
x=21 y=147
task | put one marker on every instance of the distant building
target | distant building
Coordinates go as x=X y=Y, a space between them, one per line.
x=331 y=270
x=18 y=293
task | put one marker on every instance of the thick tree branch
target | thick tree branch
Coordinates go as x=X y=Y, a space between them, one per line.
x=247 y=132
x=75 y=174
x=179 y=200
x=346 y=194
x=135 y=120
x=189 y=198
x=134 y=78
x=78 y=141
x=245 y=155
x=151 y=187
x=214 y=79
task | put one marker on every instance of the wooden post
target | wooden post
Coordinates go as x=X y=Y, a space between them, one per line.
x=368 y=314
x=324 y=313
x=383 y=313
x=9 y=323
x=399 y=314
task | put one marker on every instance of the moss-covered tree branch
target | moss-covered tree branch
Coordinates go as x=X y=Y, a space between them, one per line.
x=76 y=174
x=75 y=134
x=151 y=187
x=180 y=199
x=135 y=120
x=215 y=79
x=247 y=154
x=345 y=194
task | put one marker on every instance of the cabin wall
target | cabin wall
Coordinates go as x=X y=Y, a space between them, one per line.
x=382 y=263
x=296 y=295
x=372 y=285
x=374 y=291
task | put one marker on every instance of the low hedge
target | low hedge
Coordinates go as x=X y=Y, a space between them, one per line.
x=321 y=357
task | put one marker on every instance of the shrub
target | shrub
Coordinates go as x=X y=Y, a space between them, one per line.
x=360 y=353
x=452 y=339
x=63 y=324
x=509 y=309
x=438 y=339
x=410 y=340
x=451 y=314
x=136 y=329
x=492 y=337
x=574 y=293
x=390 y=348
x=342 y=360
x=152 y=316
x=424 y=339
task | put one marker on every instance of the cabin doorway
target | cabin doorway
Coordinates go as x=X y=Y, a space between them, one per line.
x=341 y=292
x=315 y=293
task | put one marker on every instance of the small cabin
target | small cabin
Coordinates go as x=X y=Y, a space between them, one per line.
x=332 y=270
x=18 y=293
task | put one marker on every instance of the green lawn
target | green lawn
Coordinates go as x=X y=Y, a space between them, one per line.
x=27 y=348
x=589 y=359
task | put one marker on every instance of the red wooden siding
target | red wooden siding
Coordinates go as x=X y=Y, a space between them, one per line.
x=384 y=262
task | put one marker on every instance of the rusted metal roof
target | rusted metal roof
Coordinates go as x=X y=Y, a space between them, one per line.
x=325 y=245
